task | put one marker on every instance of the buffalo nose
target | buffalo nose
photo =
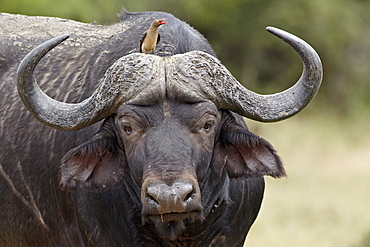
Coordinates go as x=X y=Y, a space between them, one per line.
x=174 y=198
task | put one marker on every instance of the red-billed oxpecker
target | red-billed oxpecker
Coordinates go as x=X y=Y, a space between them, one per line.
x=151 y=37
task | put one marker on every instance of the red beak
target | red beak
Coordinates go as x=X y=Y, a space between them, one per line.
x=161 y=21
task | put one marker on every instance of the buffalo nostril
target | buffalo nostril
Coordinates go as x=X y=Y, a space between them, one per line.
x=189 y=196
x=152 y=195
x=152 y=199
x=185 y=191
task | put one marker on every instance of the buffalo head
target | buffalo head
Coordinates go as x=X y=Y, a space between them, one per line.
x=170 y=133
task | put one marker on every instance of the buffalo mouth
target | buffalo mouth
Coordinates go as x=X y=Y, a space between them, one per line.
x=176 y=216
x=171 y=225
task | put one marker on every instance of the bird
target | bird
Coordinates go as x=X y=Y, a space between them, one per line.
x=151 y=37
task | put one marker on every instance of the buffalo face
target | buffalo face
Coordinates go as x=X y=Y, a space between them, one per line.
x=170 y=150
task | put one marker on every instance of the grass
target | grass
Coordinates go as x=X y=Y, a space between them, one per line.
x=325 y=201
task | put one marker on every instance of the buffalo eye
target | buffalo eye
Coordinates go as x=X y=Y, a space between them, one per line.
x=208 y=126
x=127 y=129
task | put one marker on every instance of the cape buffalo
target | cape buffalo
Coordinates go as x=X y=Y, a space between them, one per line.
x=148 y=149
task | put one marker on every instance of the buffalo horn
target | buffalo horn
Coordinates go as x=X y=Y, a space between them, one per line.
x=282 y=105
x=214 y=82
x=121 y=83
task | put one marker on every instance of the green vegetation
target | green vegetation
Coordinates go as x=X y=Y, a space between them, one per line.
x=325 y=200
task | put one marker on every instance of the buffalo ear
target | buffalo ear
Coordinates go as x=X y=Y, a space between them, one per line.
x=245 y=154
x=95 y=165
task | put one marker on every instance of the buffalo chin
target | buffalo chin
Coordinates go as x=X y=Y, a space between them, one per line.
x=170 y=225
x=170 y=229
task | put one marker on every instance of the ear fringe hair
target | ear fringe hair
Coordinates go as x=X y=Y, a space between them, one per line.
x=88 y=149
x=241 y=137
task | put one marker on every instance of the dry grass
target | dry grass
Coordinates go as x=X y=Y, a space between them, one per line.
x=325 y=201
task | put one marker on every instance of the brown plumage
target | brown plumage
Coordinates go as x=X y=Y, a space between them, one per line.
x=151 y=37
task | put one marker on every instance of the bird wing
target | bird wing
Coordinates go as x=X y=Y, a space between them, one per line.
x=142 y=39
x=158 y=38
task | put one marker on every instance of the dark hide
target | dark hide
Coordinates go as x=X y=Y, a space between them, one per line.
x=238 y=154
x=103 y=174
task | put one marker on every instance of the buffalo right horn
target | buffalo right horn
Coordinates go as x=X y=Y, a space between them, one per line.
x=214 y=82
x=122 y=82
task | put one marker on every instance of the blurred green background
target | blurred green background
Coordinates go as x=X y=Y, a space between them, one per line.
x=326 y=149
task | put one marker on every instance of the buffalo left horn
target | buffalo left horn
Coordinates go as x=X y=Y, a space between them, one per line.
x=214 y=82
x=121 y=83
